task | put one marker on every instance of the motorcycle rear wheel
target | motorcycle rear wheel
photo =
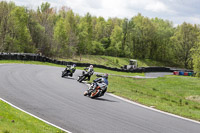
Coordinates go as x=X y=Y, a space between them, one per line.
x=95 y=93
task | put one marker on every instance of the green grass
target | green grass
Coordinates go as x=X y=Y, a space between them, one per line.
x=99 y=60
x=113 y=61
x=175 y=94
x=15 y=121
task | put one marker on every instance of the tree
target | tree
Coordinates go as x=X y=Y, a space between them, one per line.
x=73 y=32
x=125 y=33
x=196 y=55
x=144 y=33
x=61 y=31
x=5 y=10
x=116 y=42
x=183 y=40
x=88 y=20
x=97 y=48
x=99 y=30
x=37 y=31
x=161 y=46
x=82 y=38
x=46 y=17
x=19 y=39
x=196 y=60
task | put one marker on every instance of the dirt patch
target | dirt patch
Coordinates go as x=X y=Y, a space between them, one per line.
x=195 y=98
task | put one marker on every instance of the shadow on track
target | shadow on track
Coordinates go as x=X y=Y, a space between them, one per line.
x=102 y=99
x=69 y=78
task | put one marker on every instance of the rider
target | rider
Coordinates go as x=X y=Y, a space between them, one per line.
x=89 y=72
x=72 y=69
x=103 y=79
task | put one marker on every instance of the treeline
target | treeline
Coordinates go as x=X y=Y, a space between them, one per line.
x=65 y=34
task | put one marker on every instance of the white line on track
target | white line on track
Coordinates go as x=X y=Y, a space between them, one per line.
x=126 y=100
x=34 y=115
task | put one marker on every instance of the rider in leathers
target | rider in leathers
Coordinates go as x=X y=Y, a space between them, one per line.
x=102 y=79
x=89 y=72
x=72 y=69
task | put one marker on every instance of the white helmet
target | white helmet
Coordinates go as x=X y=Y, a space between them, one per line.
x=91 y=66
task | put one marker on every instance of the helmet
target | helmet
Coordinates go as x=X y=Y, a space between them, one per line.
x=74 y=65
x=105 y=75
x=91 y=66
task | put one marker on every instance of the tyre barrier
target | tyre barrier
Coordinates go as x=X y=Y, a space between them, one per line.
x=38 y=57
x=181 y=73
x=157 y=69
x=176 y=72
x=184 y=73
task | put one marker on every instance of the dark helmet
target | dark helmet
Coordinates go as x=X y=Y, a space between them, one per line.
x=105 y=75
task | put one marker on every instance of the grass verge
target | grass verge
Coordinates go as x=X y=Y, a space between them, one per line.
x=117 y=62
x=15 y=121
x=175 y=94
x=29 y=62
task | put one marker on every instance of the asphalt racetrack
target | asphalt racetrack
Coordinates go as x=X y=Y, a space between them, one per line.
x=41 y=91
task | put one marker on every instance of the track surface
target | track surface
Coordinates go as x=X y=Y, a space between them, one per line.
x=157 y=74
x=41 y=91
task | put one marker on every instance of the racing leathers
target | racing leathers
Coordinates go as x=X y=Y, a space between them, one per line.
x=88 y=73
x=71 y=69
x=101 y=80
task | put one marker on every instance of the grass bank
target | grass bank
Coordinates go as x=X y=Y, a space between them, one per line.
x=114 y=61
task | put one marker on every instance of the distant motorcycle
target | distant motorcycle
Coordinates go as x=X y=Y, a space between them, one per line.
x=86 y=74
x=97 y=88
x=69 y=70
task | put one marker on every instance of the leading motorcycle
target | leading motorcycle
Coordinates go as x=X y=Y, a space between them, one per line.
x=69 y=70
x=96 y=89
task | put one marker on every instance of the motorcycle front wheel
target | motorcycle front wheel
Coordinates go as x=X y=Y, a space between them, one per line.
x=81 y=78
x=63 y=74
x=78 y=78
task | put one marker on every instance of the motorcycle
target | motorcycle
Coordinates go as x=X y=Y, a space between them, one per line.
x=86 y=74
x=66 y=72
x=82 y=77
x=95 y=89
